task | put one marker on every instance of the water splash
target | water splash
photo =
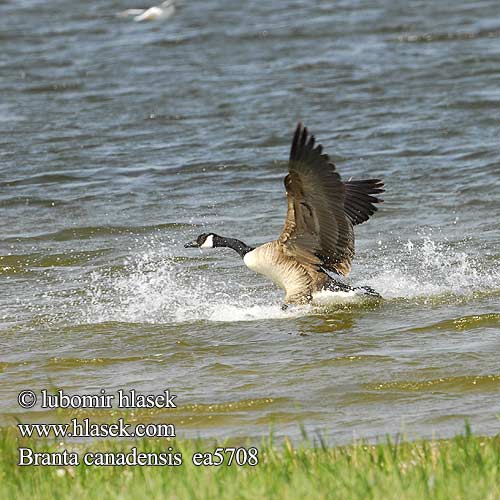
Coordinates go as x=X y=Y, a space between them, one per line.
x=156 y=287
x=427 y=267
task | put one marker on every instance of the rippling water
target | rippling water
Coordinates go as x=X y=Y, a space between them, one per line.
x=119 y=141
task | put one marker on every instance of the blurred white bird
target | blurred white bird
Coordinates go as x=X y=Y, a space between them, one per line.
x=155 y=13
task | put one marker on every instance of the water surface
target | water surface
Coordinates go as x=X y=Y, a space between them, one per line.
x=120 y=141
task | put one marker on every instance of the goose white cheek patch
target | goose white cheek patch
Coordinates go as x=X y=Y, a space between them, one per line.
x=208 y=243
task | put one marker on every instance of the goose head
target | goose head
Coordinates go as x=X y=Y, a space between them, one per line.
x=205 y=240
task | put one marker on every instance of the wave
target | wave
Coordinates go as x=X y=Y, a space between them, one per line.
x=89 y=232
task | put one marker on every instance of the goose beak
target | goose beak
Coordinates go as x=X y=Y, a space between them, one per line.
x=191 y=244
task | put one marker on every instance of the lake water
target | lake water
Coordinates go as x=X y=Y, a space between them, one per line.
x=120 y=141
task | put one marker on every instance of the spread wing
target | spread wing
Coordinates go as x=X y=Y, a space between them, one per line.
x=322 y=209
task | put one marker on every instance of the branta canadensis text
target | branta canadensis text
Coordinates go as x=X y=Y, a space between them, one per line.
x=317 y=241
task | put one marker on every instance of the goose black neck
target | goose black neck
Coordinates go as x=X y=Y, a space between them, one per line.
x=237 y=245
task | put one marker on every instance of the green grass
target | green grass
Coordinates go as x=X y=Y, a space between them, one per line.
x=465 y=467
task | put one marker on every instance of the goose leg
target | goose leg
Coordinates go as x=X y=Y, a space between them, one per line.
x=337 y=286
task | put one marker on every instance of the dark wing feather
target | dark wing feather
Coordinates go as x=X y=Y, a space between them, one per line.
x=359 y=202
x=317 y=229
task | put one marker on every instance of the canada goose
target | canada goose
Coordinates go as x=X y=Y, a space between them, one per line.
x=318 y=235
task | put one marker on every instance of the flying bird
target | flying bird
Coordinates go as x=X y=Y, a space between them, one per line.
x=316 y=246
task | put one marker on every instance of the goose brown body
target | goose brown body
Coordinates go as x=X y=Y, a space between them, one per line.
x=299 y=280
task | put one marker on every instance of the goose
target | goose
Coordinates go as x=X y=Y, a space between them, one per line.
x=316 y=246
